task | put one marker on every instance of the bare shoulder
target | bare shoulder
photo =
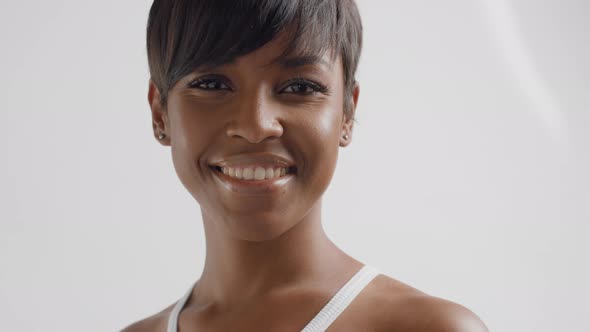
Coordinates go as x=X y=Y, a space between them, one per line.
x=154 y=323
x=432 y=314
x=404 y=308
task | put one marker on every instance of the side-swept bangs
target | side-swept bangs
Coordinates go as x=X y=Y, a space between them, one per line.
x=184 y=35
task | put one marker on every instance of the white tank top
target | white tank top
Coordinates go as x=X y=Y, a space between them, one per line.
x=324 y=318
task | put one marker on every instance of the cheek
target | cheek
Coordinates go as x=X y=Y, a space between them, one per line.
x=189 y=143
x=193 y=126
x=322 y=131
x=323 y=122
x=326 y=126
x=320 y=135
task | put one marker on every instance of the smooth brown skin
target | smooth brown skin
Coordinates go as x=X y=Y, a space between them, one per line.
x=269 y=264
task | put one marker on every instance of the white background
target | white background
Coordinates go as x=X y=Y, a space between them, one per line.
x=467 y=176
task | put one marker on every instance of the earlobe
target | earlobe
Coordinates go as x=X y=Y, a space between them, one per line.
x=346 y=136
x=159 y=116
x=348 y=122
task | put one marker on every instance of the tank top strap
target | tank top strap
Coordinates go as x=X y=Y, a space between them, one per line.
x=341 y=300
x=327 y=315
x=173 y=317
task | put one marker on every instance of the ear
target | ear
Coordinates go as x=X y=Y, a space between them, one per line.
x=160 y=124
x=348 y=119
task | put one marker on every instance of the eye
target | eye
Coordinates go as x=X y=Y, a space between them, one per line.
x=209 y=83
x=302 y=86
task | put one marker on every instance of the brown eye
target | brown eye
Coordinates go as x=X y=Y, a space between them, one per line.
x=304 y=87
x=209 y=83
x=299 y=88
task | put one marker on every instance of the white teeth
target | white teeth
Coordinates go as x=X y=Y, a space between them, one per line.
x=270 y=173
x=258 y=173
x=248 y=173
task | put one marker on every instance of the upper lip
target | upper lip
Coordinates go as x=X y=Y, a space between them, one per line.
x=253 y=159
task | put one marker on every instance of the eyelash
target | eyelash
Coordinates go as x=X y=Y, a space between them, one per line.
x=208 y=80
x=315 y=86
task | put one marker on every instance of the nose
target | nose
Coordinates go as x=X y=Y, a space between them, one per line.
x=255 y=119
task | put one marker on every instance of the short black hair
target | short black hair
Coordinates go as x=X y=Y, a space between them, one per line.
x=183 y=35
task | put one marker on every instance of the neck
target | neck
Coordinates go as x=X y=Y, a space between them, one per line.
x=237 y=271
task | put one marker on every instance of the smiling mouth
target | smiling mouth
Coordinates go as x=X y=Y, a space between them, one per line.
x=255 y=174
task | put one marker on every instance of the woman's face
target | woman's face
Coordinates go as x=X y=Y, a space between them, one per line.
x=246 y=118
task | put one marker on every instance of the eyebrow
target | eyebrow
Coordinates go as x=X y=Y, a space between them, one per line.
x=300 y=61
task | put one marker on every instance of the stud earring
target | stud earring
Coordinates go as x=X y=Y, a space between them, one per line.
x=161 y=136
x=345 y=136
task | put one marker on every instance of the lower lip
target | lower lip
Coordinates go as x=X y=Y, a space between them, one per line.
x=253 y=187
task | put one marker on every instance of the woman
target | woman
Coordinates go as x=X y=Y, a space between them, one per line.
x=255 y=98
